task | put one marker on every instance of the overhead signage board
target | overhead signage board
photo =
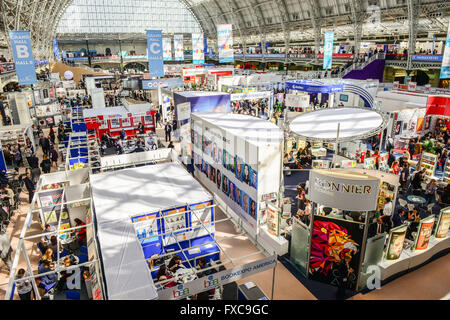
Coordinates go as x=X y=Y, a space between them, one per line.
x=218 y=279
x=178 y=46
x=225 y=43
x=344 y=191
x=198 y=48
x=167 y=47
x=155 y=53
x=23 y=57
x=328 y=50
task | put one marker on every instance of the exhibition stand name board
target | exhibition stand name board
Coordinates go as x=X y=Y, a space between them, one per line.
x=351 y=192
x=311 y=87
x=218 y=279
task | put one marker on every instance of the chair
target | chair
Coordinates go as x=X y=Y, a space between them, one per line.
x=83 y=258
x=84 y=249
x=411 y=207
x=73 y=295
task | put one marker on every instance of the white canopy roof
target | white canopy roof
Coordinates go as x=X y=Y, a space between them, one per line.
x=323 y=124
x=254 y=130
x=117 y=197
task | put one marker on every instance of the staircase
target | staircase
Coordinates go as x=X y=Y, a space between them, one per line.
x=373 y=68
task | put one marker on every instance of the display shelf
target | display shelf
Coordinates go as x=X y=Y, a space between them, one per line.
x=428 y=162
x=386 y=190
x=369 y=163
x=446 y=173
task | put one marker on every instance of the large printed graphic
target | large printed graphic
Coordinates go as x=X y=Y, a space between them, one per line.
x=335 y=242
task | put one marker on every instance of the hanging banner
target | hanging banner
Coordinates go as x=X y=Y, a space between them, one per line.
x=225 y=42
x=198 y=54
x=445 y=69
x=155 y=53
x=178 y=44
x=56 y=50
x=328 y=50
x=218 y=279
x=167 y=48
x=23 y=57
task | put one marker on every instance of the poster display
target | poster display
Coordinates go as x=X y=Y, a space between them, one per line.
x=229 y=173
x=201 y=218
x=442 y=224
x=225 y=43
x=23 y=57
x=148 y=226
x=174 y=220
x=198 y=54
x=445 y=69
x=424 y=233
x=273 y=220
x=167 y=49
x=178 y=46
x=155 y=53
x=328 y=50
x=335 y=241
x=395 y=243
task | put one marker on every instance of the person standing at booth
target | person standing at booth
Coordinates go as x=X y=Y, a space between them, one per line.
x=168 y=130
x=30 y=186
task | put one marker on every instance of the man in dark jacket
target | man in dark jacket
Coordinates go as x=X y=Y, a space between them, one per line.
x=168 y=130
x=45 y=145
x=30 y=186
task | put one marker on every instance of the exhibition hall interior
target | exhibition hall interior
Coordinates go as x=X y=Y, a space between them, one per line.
x=224 y=150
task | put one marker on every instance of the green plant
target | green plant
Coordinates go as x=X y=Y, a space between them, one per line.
x=429 y=146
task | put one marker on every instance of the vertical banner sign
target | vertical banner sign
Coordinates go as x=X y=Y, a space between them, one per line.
x=198 y=54
x=225 y=42
x=167 y=47
x=445 y=70
x=205 y=45
x=155 y=53
x=23 y=57
x=328 y=50
x=56 y=50
x=178 y=43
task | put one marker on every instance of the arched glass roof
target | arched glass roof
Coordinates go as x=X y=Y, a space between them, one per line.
x=127 y=16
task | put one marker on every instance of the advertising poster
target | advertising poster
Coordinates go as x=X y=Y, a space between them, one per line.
x=328 y=50
x=419 y=124
x=155 y=53
x=427 y=123
x=56 y=50
x=201 y=218
x=398 y=127
x=445 y=69
x=333 y=242
x=225 y=43
x=178 y=46
x=443 y=224
x=23 y=57
x=424 y=232
x=167 y=49
x=273 y=218
x=175 y=220
x=147 y=226
x=198 y=54
x=395 y=244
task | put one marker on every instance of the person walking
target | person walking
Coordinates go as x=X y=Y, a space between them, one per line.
x=45 y=143
x=404 y=176
x=5 y=250
x=30 y=186
x=54 y=156
x=24 y=287
x=168 y=130
x=158 y=118
x=46 y=165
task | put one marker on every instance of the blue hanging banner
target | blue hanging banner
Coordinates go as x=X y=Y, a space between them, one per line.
x=155 y=53
x=328 y=50
x=23 y=57
x=56 y=50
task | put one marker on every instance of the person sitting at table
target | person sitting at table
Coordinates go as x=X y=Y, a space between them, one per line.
x=301 y=197
x=54 y=246
x=49 y=278
x=430 y=191
x=399 y=218
x=80 y=233
x=202 y=264
x=46 y=238
x=175 y=264
x=47 y=256
x=162 y=275
x=62 y=282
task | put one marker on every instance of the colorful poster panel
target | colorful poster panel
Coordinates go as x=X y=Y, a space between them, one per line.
x=443 y=224
x=225 y=184
x=395 y=244
x=335 y=242
x=246 y=174
x=253 y=209
x=254 y=179
x=239 y=167
x=424 y=233
x=232 y=191
x=273 y=217
x=175 y=220
x=245 y=205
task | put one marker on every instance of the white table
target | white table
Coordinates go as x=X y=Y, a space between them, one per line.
x=185 y=275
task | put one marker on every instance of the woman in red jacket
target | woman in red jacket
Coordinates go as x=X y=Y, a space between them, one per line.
x=80 y=233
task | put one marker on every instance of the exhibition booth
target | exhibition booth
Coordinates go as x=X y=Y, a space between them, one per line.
x=343 y=226
x=232 y=154
x=61 y=198
x=258 y=104
x=113 y=120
